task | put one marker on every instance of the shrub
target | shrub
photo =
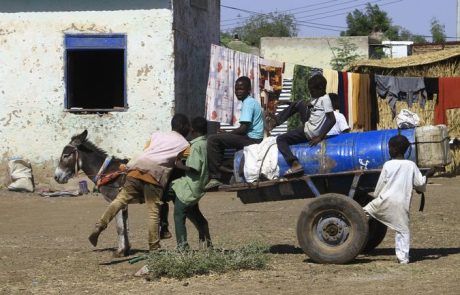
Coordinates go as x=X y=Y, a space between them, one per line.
x=182 y=264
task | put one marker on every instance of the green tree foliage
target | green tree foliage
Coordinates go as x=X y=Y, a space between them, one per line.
x=406 y=35
x=437 y=31
x=225 y=38
x=344 y=54
x=299 y=91
x=373 y=19
x=266 y=25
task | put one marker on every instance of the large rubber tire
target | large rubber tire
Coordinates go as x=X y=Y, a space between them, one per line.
x=377 y=232
x=332 y=229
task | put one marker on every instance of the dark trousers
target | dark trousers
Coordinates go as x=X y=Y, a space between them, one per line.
x=289 y=138
x=299 y=107
x=193 y=213
x=294 y=136
x=164 y=209
x=217 y=143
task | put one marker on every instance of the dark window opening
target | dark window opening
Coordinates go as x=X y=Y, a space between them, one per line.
x=95 y=79
x=95 y=73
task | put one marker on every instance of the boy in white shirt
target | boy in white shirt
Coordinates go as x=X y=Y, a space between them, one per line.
x=341 y=125
x=316 y=125
x=393 y=194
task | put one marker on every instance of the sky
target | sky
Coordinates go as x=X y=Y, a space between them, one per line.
x=320 y=18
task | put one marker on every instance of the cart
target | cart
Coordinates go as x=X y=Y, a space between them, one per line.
x=332 y=227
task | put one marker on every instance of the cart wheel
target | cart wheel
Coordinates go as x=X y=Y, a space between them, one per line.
x=377 y=232
x=332 y=229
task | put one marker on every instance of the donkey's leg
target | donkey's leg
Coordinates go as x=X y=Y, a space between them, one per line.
x=126 y=231
x=123 y=243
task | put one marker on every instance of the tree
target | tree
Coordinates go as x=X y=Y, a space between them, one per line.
x=371 y=20
x=406 y=35
x=374 y=20
x=437 y=31
x=266 y=25
x=225 y=38
x=344 y=54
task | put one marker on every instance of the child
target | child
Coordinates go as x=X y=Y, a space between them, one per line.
x=393 y=194
x=147 y=177
x=315 y=128
x=250 y=131
x=189 y=189
x=341 y=125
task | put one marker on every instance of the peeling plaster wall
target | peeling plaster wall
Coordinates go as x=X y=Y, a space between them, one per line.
x=195 y=29
x=33 y=123
x=314 y=52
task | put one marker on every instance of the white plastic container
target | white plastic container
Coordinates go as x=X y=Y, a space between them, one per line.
x=432 y=146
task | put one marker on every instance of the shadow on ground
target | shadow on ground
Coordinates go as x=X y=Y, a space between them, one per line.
x=418 y=254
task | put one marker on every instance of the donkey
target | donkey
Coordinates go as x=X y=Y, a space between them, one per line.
x=82 y=154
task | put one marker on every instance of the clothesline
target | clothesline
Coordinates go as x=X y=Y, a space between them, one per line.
x=358 y=93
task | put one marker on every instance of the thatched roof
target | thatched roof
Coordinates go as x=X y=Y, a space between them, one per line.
x=406 y=62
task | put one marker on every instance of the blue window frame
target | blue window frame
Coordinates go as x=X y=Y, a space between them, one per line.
x=95 y=72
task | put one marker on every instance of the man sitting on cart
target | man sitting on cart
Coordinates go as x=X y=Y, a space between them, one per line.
x=250 y=131
x=318 y=118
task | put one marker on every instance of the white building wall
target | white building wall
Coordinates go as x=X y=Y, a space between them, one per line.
x=397 y=49
x=33 y=123
x=313 y=52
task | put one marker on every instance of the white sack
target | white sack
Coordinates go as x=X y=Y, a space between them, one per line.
x=264 y=154
x=21 y=176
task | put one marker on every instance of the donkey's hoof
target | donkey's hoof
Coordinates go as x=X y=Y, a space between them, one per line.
x=117 y=254
x=121 y=252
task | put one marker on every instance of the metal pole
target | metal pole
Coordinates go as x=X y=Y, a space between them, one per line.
x=458 y=20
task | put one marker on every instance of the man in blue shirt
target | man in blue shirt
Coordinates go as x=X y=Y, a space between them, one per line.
x=250 y=131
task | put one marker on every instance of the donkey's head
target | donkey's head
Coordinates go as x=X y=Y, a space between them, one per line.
x=70 y=161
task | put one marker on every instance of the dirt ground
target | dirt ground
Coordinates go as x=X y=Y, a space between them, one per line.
x=44 y=249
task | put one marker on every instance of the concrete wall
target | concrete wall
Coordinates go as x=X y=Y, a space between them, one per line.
x=33 y=123
x=195 y=29
x=79 y=5
x=314 y=52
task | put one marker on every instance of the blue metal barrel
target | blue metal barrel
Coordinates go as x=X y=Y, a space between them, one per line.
x=344 y=152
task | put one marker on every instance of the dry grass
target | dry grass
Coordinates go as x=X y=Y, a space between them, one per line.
x=426 y=115
x=431 y=60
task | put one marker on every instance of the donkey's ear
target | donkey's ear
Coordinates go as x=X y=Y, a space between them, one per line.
x=80 y=138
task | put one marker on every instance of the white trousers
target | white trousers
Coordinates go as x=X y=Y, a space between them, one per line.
x=402 y=245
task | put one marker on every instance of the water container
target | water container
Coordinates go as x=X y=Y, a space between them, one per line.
x=344 y=152
x=432 y=146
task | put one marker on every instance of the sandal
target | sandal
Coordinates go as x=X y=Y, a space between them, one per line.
x=292 y=173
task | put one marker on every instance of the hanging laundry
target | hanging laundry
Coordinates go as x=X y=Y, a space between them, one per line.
x=225 y=67
x=341 y=94
x=448 y=98
x=299 y=89
x=332 y=78
x=402 y=88
x=270 y=83
x=300 y=83
x=350 y=100
x=355 y=98
x=364 y=103
x=431 y=87
x=345 y=94
x=374 y=103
